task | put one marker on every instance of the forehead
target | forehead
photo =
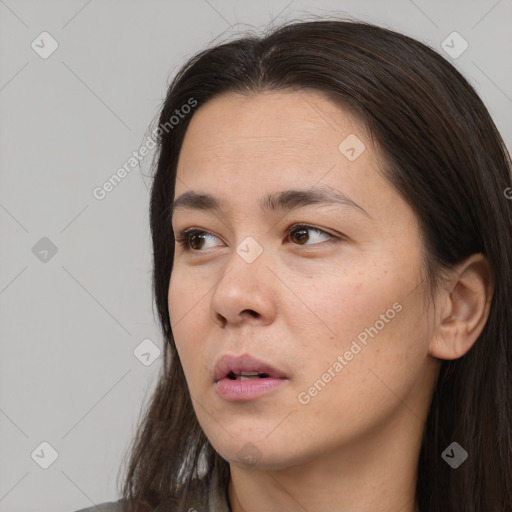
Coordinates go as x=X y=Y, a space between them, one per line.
x=269 y=135
x=276 y=117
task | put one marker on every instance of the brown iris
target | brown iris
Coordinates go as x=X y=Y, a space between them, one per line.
x=303 y=235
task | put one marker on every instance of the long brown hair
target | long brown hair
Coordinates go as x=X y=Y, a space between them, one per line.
x=447 y=159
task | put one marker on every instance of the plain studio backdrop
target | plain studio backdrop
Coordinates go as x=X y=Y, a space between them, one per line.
x=80 y=83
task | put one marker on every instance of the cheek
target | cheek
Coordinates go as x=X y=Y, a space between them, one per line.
x=374 y=316
x=176 y=307
x=364 y=370
x=373 y=378
x=335 y=305
x=186 y=296
x=185 y=299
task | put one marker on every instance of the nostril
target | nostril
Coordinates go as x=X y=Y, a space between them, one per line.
x=222 y=320
x=251 y=312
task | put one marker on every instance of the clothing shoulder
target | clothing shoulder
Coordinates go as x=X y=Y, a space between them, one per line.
x=196 y=495
x=111 y=506
x=169 y=505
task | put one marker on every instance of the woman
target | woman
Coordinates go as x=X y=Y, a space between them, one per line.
x=332 y=252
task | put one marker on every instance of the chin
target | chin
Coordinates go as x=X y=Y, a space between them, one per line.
x=258 y=452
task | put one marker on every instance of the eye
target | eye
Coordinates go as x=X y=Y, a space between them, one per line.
x=194 y=239
x=301 y=231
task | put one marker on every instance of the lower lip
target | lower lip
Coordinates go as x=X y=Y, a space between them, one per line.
x=245 y=390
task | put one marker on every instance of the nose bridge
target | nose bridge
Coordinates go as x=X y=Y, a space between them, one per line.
x=245 y=285
x=245 y=268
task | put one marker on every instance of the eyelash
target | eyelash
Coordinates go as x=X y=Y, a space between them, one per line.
x=184 y=236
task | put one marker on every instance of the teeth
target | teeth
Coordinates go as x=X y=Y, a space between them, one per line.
x=248 y=375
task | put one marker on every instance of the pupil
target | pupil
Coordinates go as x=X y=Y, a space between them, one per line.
x=304 y=237
x=196 y=236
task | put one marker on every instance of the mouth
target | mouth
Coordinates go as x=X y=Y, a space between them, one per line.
x=247 y=376
x=245 y=367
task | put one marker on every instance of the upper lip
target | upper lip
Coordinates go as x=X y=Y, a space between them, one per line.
x=243 y=363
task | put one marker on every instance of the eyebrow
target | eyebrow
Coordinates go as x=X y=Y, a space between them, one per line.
x=276 y=201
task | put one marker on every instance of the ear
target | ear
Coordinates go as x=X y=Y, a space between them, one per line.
x=462 y=308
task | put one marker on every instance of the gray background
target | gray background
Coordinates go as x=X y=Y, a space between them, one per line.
x=70 y=321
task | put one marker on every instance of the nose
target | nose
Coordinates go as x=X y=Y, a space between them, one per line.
x=244 y=294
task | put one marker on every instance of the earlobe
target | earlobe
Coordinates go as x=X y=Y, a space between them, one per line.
x=464 y=301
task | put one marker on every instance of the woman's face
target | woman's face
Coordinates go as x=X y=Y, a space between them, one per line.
x=337 y=307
